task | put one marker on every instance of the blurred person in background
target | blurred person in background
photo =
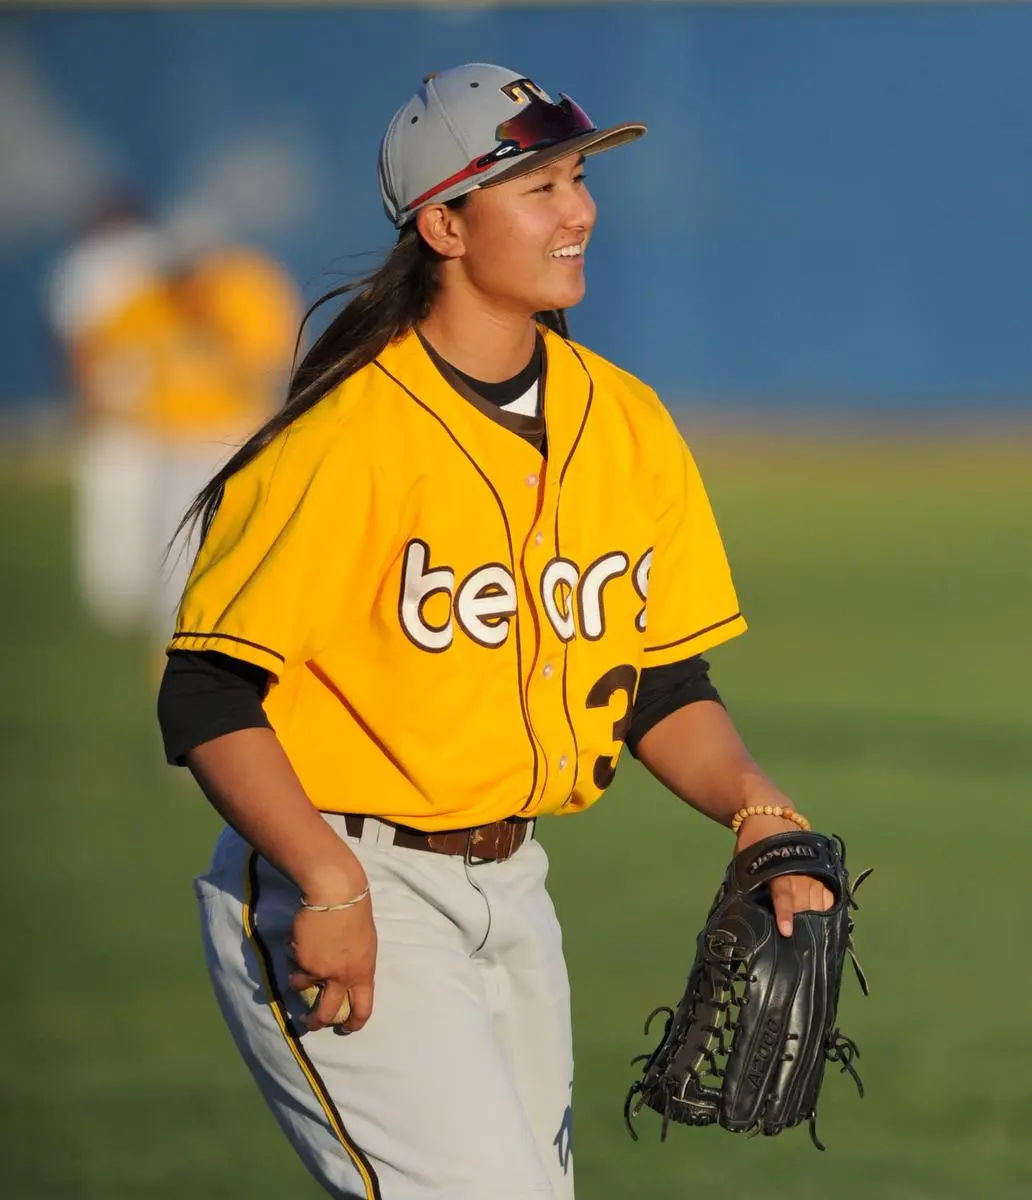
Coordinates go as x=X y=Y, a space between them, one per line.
x=101 y=300
x=174 y=358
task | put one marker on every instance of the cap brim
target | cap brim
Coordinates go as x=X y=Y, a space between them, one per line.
x=583 y=143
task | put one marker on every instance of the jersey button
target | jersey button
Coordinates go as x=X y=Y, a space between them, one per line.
x=546 y=670
x=538 y=538
x=563 y=762
x=532 y=481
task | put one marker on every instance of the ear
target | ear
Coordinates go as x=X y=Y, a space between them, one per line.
x=441 y=228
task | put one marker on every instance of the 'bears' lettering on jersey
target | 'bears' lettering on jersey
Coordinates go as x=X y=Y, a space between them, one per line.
x=485 y=601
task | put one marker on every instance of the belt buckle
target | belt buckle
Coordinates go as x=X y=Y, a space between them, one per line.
x=497 y=854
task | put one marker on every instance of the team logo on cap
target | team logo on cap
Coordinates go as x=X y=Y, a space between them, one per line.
x=523 y=90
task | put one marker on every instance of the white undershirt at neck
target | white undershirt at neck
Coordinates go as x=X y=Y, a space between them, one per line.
x=526 y=405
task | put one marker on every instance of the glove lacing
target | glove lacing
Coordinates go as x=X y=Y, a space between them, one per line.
x=721 y=987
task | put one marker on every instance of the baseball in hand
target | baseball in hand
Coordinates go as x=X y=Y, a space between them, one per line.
x=310 y=995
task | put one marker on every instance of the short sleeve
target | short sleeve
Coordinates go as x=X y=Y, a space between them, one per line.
x=691 y=605
x=291 y=554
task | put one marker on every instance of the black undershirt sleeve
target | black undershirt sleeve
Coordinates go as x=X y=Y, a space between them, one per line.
x=204 y=695
x=664 y=690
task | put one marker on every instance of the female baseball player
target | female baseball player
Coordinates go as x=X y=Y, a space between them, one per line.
x=436 y=594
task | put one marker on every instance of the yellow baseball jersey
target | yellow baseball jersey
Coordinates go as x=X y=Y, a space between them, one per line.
x=455 y=626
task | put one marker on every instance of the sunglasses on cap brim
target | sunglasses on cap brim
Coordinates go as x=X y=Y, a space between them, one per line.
x=539 y=126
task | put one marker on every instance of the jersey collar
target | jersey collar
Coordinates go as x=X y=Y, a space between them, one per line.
x=567 y=401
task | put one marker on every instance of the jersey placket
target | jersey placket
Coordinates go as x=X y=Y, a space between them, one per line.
x=567 y=402
x=541 y=650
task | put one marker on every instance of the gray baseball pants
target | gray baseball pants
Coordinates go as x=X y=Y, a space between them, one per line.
x=459 y=1087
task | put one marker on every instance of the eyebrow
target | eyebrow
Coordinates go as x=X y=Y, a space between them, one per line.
x=581 y=160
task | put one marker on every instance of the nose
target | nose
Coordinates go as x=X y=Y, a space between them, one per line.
x=579 y=208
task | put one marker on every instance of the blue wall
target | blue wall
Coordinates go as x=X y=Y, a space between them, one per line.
x=833 y=205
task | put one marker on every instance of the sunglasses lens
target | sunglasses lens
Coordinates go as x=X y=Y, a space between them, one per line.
x=542 y=124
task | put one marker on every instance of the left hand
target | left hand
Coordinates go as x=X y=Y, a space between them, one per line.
x=790 y=893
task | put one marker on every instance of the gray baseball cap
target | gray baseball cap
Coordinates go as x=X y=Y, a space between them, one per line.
x=477 y=125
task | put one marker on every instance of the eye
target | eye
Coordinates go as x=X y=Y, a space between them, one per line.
x=550 y=187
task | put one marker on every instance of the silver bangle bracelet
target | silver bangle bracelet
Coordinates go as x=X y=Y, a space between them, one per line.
x=322 y=908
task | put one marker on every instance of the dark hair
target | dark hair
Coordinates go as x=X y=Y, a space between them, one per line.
x=384 y=305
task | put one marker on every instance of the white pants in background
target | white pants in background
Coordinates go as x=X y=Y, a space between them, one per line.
x=115 y=567
x=131 y=492
x=459 y=1087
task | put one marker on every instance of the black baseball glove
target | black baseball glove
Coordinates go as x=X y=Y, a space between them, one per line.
x=748 y=1044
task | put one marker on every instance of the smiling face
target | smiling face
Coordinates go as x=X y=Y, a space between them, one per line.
x=519 y=245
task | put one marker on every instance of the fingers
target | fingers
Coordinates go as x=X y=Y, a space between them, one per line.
x=361 y=996
x=783 y=895
x=797 y=893
x=300 y=981
x=332 y=1002
x=333 y=1006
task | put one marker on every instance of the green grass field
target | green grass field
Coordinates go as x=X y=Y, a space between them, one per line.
x=884 y=683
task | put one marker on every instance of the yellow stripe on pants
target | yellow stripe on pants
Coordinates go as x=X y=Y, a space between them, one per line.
x=293 y=1041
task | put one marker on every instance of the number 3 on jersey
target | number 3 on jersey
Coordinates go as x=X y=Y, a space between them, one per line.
x=621 y=679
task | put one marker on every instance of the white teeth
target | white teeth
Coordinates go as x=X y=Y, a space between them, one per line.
x=568 y=251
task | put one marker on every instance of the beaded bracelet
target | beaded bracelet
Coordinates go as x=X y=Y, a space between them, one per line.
x=768 y=810
x=322 y=908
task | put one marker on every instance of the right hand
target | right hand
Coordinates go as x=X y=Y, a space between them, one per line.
x=337 y=952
